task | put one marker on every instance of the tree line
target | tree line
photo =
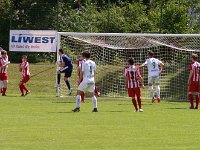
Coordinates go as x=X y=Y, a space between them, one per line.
x=124 y=16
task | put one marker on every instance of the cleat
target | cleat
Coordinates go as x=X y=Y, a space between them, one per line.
x=196 y=107
x=4 y=95
x=76 y=109
x=153 y=99
x=27 y=93
x=137 y=110
x=158 y=99
x=191 y=107
x=140 y=110
x=95 y=110
x=70 y=92
x=22 y=95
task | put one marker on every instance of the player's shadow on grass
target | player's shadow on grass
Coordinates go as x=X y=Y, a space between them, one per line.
x=178 y=108
x=116 y=111
x=62 y=112
x=63 y=102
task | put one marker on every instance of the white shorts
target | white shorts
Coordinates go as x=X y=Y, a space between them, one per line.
x=89 y=86
x=153 y=79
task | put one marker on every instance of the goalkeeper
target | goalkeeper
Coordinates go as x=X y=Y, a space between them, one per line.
x=66 y=67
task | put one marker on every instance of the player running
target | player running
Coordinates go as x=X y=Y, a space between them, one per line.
x=66 y=67
x=194 y=81
x=24 y=69
x=87 y=81
x=3 y=69
x=153 y=74
x=132 y=77
x=1 y=83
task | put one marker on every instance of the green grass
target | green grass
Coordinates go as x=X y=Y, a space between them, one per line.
x=41 y=121
x=47 y=123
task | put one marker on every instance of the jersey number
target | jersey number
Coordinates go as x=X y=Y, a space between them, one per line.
x=91 y=70
x=132 y=75
x=154 y=65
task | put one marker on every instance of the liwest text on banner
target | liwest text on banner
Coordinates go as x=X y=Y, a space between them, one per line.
x=33 y=40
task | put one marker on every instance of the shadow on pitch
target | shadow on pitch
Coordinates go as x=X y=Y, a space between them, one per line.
x=61 y=112
x=177 y=108
x=63 y=102
x=115 y=111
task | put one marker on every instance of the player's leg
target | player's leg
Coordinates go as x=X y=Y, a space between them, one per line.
x=68 y=74
x=190 y=96
x=91 y=90
x=197 y=100
x=138 y=95
x=23 y=87
x=5 y=83
x=97 y=91
x=82 y=97
x=150 y=83
x=157 y=80
x=131 y=94
x=82 y=86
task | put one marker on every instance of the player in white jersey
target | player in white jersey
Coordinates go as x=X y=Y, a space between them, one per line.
x=153 y=74
x=87 y=81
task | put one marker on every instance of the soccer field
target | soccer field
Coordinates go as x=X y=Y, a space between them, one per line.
x=47 y=123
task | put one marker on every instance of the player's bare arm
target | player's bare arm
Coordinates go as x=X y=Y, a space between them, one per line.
x=142 y=66
x=140 y=78
x=161 y=67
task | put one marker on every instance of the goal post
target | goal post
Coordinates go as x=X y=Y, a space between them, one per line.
x=111 y=51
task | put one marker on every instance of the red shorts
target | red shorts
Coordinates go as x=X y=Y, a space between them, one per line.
x=25 y=79
x=194 y=88
x=134 y=91
x=3 y=76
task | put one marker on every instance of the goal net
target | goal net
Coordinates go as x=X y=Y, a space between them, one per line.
x=111 y=51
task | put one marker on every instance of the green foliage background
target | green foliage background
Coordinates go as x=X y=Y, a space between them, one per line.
x=133 y=16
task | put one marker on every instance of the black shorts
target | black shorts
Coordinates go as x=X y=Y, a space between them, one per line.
x=68 y=72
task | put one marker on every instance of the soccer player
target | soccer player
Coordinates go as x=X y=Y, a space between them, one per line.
x=87 y=81
x=1 y=82
x=24 y=69
x=79 y=63
x=66 y=67
x=3 y=69
x=132 y=74
x=194 y=81
x=153 y=74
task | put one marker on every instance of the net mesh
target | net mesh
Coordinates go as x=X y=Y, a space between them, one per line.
x=111 y=51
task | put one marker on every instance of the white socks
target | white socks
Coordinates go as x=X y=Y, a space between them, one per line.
x=158 y=91
x=94 y=99
x=78 y=101
x=151 y=91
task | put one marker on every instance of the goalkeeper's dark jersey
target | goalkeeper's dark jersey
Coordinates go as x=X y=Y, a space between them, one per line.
x=67 y=61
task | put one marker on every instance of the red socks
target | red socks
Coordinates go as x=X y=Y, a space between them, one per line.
x=134 y=103
x=22 y=88
x=83 y=97
x=191 y=100
x=139 y=102
x=197 y=100
x=4 y=91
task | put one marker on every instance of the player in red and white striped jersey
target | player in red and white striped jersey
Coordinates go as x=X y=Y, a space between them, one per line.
x=194 y=81
x=4 y=73
x=24 y=69
x=0 y=71
x=79 y=62
x=132 y=78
